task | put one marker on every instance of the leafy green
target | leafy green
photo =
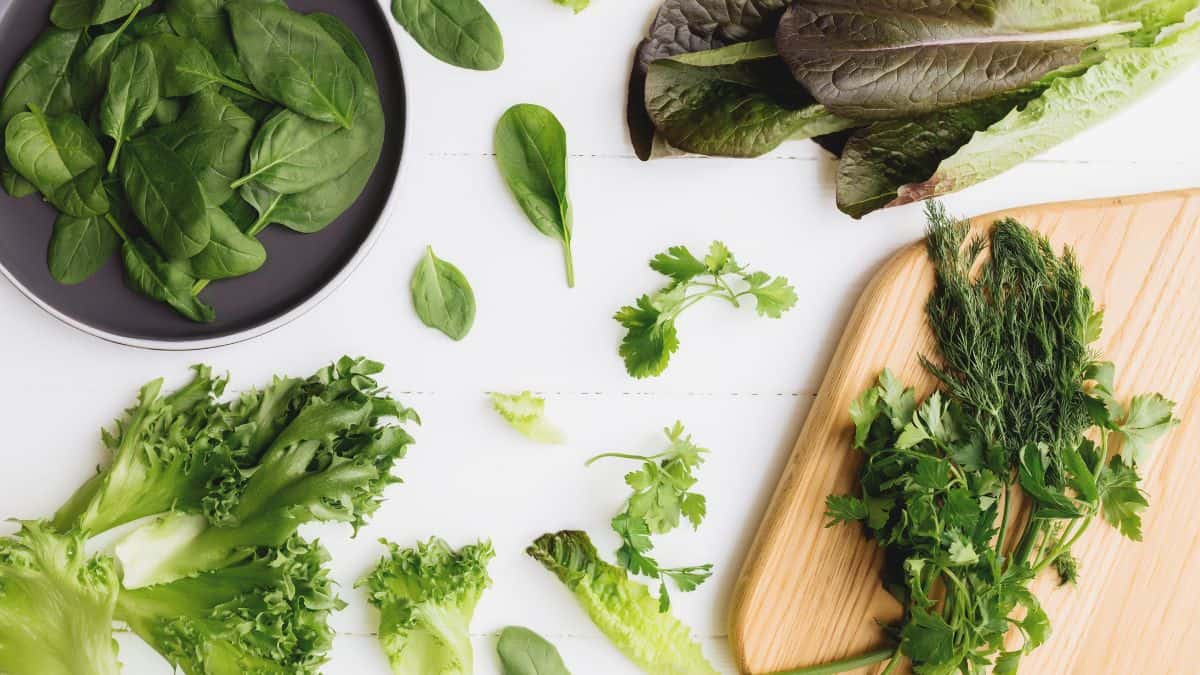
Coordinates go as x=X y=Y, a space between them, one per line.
x=459 y=32
x=531 y=150
x=442 y=296
x=527 y=414
x=622 y=609
x=132 y=96
x=56 y=605
x=576 y=5
x=41 y=79
x=736 y=101
x=524 y=652
x=79 y=247
x=662 y=495
x=293 y=153
x=426 y=597
x=207 y=22
x=230 y=252
x=294 y=61
x=652 y=337
x=268 y=613
x=885 y=61
x=90 y=70
x=61 y=158
x=172 y=282
x=1020 y=393
x=166 y=196
x=83 y=13
x=212 y=137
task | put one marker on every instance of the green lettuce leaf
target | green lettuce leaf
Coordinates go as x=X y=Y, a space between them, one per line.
x=527 y=414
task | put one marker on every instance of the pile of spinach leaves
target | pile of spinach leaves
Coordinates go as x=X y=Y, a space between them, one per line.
x=175 y=138
x=917 y=99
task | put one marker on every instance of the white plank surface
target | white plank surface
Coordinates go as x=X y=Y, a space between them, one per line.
x=740 y=383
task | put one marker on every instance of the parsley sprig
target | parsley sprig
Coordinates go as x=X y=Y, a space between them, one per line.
x=652 y=336
x=1025 y=418
x=662 y=497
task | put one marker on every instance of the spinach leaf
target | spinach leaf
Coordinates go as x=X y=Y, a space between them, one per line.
x=207 y=22
x=90 y=70
x=531 y=149
x=348 y=41
x=83 y=13
x=443 y=297
x=79 y=247
x=683 y=26
x=185 y=67
x=736 y=101
x=51 y=152
x=459 y=32
x=230 y=253
x=293 y=153
x=211 y=138
x=166 y=112
x=131 y=98
x=524 y=652
x=42 y=79
x=166 y=197
x=148 y=25
x=873 y=61
x=292 y=60
x=169 y=281
x=82 y=196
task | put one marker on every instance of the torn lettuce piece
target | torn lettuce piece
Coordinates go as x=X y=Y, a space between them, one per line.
x=527 y=414
x=426 y=597
x=624 y=610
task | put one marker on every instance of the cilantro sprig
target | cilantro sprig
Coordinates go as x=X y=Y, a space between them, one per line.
x=652 y=336
x=662 y=498
x=1024 y=408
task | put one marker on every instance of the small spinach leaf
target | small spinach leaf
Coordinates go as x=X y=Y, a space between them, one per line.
x=531 y=149
x=524 y=652
x=230 y=252
x=84 y=13
x=292 y=153
x=166 y=197
x=459 y=32
x=91 y=69
x=207 y=22
x=186 y=67
x=294 y=61
x=51 y=152
x=79 y=247
x=443 y=297
x=82 y=196
x=169 y=281
x=131 y=98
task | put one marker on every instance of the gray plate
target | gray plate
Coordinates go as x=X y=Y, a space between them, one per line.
x=300 y=270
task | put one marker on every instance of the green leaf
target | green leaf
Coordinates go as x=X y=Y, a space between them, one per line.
x=292 y=60
x=774 y=298
x=83 y=13
x=531 y=151
x=152 y=275
x=1079 y=474
x=912 y=434
x=90 y=70
x=576 y=5
x=927 y=638
x=79 y=247
x=649 y=343
x=166 y=197
x=1121 y=498
x=52 y=153
x=459 y=32
x=131 y=98
x=900 y=401
x=293 y=153
x=442 y=296
x=864 y=410
x=720 y=260
x=527 y=414
x=1150 y=417
x=524 y=652
x=207 y=22
x=679 y=264
x=212 y=138
x=230 y=252
x=844 y=509
x=1050 y=502
x=736 y=101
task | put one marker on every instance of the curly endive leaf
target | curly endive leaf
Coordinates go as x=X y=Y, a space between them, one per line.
x=527 y=414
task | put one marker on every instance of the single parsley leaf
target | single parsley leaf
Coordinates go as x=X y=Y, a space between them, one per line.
x=650 y=342
x=1121 y=498
x=771 y=299
x=1150 y=416
x=863 y=411
x=844 y=509
x=678 y=263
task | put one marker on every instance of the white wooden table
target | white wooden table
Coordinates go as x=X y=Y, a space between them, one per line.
x=741 y=384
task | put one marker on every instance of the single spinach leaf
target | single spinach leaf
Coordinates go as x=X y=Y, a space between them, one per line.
x=230 y=252
x=443 y=297
x=524 y=652
x=169 y=281
x=879 y=61
x=683 y=26
x=131 y=98
x=147 y=25
x=42 y=79
x=349 y=42
x=531 y=149
x=212 y=138
x=459 y=32
x=292 y=153
x=51 y=152
x=79 y=247
x=90 y=70
x=736 y=101
x=166 y=112
x=207 y=22
x=166 y=197
x=294 y=61
x=185 y=67
x=83 y=13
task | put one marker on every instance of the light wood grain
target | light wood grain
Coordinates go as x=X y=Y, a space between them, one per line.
x=809 y=594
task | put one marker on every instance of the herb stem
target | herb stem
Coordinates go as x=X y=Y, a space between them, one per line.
x=116 y=227
x=243 y=90
x=848 y=664
x=570 y=260
x=616 y=455
x=200 y=286
x=733 y=297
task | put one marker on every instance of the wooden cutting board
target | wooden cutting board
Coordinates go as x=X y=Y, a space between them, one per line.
x=808 y=594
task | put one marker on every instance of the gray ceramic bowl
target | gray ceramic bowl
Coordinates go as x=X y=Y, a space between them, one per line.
x=301 y=270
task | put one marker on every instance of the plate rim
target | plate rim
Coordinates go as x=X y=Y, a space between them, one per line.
x=320 y=296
